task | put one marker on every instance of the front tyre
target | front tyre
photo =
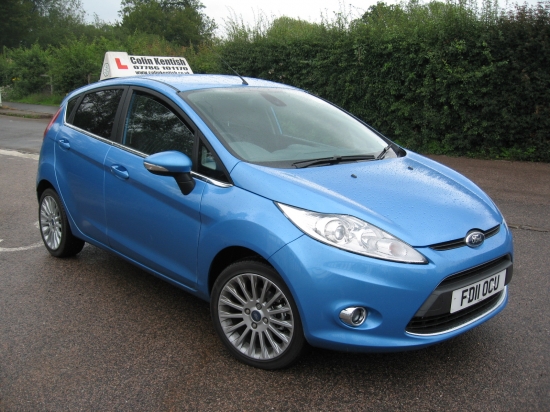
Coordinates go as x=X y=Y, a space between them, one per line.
x=256 y=317
x=54 y=226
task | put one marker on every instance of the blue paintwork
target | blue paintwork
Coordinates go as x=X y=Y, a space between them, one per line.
x=149 y=220
x=172 y=161
x=113 y=202
x=423 y=206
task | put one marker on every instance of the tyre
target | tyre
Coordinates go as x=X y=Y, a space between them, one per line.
x=54 y=226
x=256 y=317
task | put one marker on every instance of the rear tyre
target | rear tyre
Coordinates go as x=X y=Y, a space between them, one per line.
x=256 y=317
x=54 y=226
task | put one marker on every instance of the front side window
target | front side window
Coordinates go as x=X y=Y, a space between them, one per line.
x=97 y=111
x=209 y=165
x=152 y=127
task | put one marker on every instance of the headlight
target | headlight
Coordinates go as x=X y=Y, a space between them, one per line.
x=351 y=234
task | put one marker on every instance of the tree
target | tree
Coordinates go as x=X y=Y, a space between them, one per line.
x=58 y=20
x=46 y=22
x=18 y=16
x=178 y=21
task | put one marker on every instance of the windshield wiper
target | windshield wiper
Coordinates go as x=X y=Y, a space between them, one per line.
x=331 y=160
x=383 y=152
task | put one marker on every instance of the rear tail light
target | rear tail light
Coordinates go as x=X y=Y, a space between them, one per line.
x=54 y=118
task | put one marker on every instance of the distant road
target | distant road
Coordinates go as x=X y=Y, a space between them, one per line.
x=35 y=108
x=20 y=134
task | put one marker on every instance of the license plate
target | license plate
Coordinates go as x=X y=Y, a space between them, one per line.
x=476 y=292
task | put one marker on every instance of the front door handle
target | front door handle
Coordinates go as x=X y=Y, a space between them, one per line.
x=64 y=143
x=120 y=171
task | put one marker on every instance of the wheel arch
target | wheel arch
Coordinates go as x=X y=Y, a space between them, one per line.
x=43 y=185
x=228 y=256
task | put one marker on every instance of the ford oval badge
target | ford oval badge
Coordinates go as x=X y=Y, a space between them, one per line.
x=475 y=238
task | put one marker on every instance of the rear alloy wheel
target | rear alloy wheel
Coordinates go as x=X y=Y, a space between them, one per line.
x=255 y=316
x=54 y=227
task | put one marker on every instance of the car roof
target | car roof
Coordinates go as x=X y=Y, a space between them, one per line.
x=187 y=82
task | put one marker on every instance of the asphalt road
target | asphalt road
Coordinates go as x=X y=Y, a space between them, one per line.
x=95 y=333
x=21 y=134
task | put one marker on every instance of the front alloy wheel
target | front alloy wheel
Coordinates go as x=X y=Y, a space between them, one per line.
x=256 y=317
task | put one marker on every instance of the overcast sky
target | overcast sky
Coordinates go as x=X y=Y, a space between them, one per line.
x=219 y=10
x=310 y=10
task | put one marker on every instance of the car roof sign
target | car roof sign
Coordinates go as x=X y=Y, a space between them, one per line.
x=120 y=64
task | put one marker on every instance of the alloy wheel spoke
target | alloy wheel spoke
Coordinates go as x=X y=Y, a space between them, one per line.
x=242 y=285
x=251 y=346
x=266 y=287
x=277 y=333
x=279 y=322
x=272 y=342
x=225 y=301
x=232 y=290
x=264 y=354
x=231 y=316
x=253 y=284
x=233 y=328
x=240 y=340
x=277 y=311
x=274 y=298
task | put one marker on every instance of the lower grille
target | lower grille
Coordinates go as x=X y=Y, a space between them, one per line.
x=434 y=315
x=444 y=323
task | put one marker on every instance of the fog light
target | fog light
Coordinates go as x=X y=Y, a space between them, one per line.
x=353 y=316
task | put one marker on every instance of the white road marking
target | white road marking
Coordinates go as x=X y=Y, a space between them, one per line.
x=18 y=154
x=19 y=249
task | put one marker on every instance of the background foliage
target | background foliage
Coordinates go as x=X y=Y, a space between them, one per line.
x=437 y=77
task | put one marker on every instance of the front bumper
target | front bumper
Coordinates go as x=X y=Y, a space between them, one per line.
x=325 y=280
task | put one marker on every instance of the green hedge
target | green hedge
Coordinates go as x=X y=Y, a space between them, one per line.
x=437 y=77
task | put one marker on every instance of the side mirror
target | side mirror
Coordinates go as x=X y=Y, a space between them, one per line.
x=175 y=164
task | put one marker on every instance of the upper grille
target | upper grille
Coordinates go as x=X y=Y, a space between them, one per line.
x=453 y=244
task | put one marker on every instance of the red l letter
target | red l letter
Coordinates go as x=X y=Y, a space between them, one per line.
x=119 y=64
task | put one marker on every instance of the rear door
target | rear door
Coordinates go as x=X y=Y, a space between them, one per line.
x=80 y=150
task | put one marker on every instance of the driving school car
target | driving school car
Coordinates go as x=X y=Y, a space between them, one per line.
x=294 y=219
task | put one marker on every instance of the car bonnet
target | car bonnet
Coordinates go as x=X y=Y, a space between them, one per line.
x=413 y=198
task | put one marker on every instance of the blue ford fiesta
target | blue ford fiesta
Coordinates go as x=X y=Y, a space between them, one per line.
x=297 y=221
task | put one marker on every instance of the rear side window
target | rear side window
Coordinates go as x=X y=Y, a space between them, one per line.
x=152 y=127
x=96 y=113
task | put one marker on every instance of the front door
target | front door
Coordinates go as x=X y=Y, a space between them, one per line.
x=149 y=220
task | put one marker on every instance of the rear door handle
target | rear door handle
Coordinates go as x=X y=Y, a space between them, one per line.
x=120 y=171
x=64 y=143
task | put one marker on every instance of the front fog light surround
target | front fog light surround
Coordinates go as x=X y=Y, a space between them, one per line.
x=353 y=316
x=352 y=234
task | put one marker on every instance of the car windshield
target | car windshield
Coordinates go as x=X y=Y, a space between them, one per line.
x=283 y=127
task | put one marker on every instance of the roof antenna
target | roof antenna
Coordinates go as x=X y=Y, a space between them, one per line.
x=233 y=70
